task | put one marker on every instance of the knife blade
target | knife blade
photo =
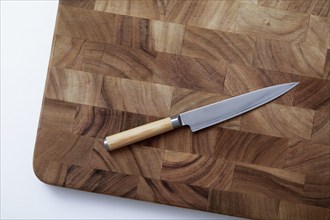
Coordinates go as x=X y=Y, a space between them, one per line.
x=200 y=118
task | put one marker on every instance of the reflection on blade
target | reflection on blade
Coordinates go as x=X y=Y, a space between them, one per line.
x=208 y=115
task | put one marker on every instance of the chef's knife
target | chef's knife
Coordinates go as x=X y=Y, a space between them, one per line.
x=200 y=118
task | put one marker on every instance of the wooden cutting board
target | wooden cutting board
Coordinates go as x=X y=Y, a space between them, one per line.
x=119 y=64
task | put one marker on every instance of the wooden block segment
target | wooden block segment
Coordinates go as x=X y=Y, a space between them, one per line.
x=88 y=179
x=218 y=45
x=143 y=9
x=312 y=94
x=137 y=97
x=308 y=158
x=57 y=114
x=179 y=140
x=167 y=37
x=105 y=91
x=76 y=22
x=316 y=190
x=172 y=193
x=74 y=86
x=273 y=55
x=86 y=4
x=120 y=29
x=191 y=73
x=119 y=61
x=315 y=7
x=186 y=99
x=308 y=61
x=326 y=71
x=103 y=27
x=294 y=211
x=318 y=34
x=250 y=148
x=271 y=23
x=101 y=181
x=271 y=182
x=321 y=128
x=281 y=121
x=300 y=59
x=197 y=170
x=204 y=141
x=243 y=205
x=62 y=146
x=218 y=15
x=69 y=53
x=101 y=122
x=50 y=172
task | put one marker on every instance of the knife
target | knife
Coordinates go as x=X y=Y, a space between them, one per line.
x=201 y=117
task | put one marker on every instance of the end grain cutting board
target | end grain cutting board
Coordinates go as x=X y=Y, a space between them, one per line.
x=119 y=64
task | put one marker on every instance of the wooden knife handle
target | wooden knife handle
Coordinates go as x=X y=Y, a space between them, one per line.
x=137 y=134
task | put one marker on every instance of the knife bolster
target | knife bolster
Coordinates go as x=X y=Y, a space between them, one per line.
x=176 y=121
x=140 y=133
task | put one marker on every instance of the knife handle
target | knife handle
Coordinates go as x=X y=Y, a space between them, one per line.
x=140 y=133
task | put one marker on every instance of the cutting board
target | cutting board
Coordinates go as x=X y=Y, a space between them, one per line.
x=119 y=64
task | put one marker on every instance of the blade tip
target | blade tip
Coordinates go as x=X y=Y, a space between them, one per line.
x=294 y=84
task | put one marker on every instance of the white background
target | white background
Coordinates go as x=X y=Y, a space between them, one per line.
x=26 y=35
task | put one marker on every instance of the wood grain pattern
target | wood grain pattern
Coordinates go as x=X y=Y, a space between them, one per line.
x=315 y=7
x=300 y=59
x=101 y=122
x=119 y=64
x=289 y=210
x=50 y=172
x=134 y=96
x=197 y=170
x=172 y=193
x=326 y=71
x=250 y=148
x=181 y=71
x=79 y=3
x=321 y=128
x=271 y=182
x=312 y=94
x=218 y=15
x=218 y=45
x=318 y=32
x=316 y=190
x=243 y=205
x=74 y=86
x=62 y=146
x=57 y=114
x=138 y=160
x=308 y=61
x=273 y=55
x=186 y=99
x=167 y=37
x=119 y=61
x=86 y=178
x=271 y=23
x=308 y=158
x=103 y=27
x=69 y=53
x=146 y=9
x=281 y=121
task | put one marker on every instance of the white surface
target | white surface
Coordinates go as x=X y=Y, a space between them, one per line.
x=26 y=35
